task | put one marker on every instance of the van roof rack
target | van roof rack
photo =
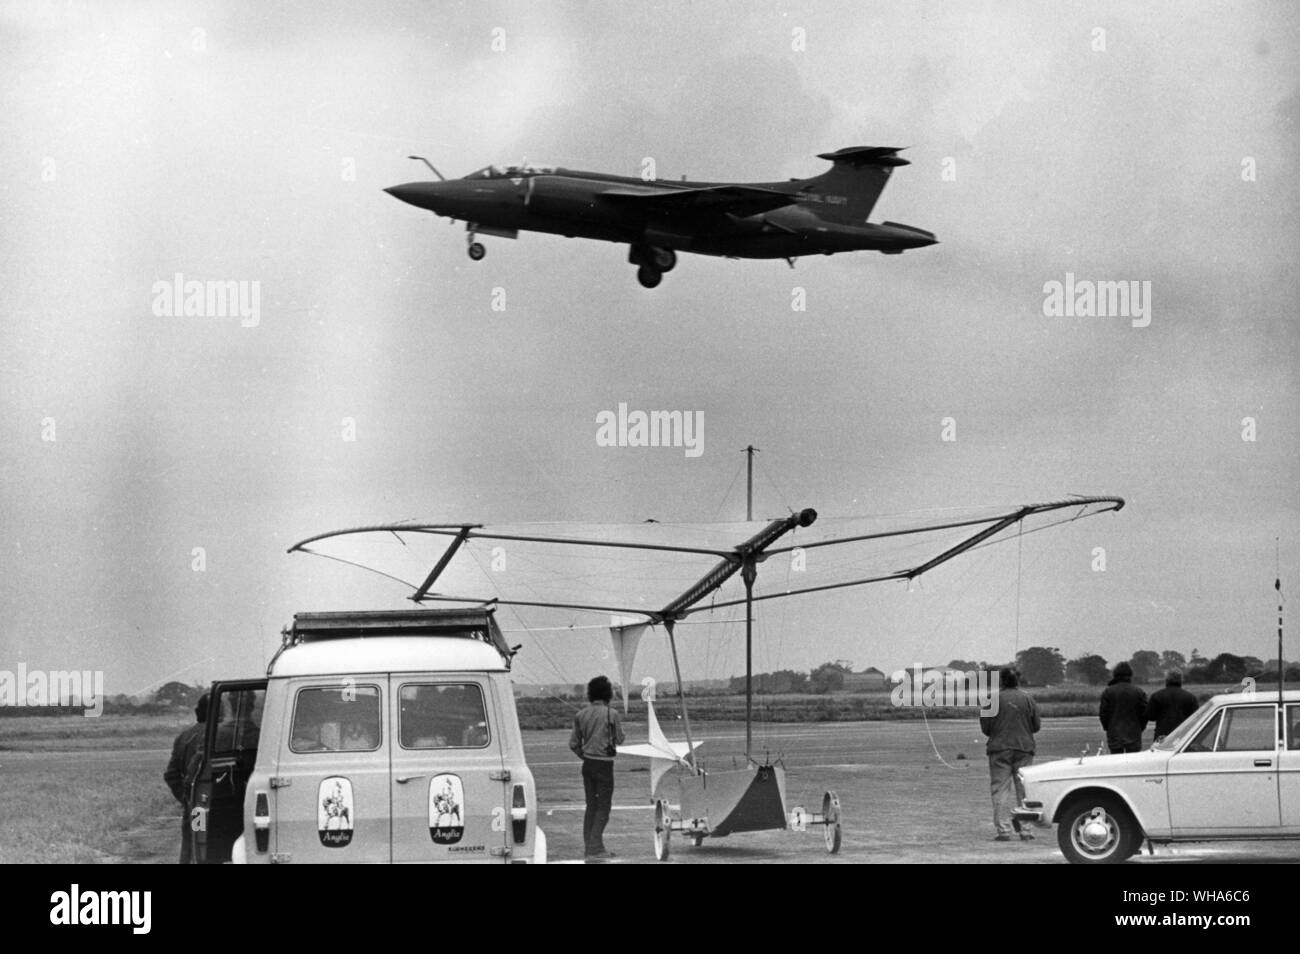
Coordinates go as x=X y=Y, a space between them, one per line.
x=475 y=623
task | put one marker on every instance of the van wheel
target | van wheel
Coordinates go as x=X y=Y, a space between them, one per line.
x=663 y=830
x=1098 y=831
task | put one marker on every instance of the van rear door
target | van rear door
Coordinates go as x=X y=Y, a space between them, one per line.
x=230 y=752
x=449 y=783
x=330 y=789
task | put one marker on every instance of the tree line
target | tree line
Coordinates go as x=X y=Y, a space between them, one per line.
x=1046 y=666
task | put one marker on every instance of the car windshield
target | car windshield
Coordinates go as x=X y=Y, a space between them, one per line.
x=1176 y=738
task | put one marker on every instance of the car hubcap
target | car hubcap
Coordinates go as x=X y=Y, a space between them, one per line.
x=1095 y=832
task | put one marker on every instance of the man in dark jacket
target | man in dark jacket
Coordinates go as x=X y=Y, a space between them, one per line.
x=597 y=730
x=1011 y=745
x=1123 y=712
x=1169 y=707
x=185 y=757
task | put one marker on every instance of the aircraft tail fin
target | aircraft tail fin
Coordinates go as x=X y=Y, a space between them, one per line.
x=858 y=175
x=662 y=754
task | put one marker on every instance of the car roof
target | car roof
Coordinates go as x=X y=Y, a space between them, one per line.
x=344 y=657
x=1291 y=695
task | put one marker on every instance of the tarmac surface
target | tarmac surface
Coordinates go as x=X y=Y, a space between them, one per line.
x=901 y=802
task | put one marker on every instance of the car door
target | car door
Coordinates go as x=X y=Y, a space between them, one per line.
x=231 y=739
x=330 y=789
x=1288 y=774
x=449 y=784
x=1225 y=779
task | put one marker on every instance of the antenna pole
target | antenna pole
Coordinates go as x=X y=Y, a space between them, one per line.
x=749 y=482
x=1281 y=666
x=747 y=573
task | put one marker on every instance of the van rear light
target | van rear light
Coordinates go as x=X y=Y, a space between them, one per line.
x=519 y=815
x=262 y=823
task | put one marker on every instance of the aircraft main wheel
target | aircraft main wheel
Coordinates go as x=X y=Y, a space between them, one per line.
x=477 y=251
x=649 y=276
x=663 y=830
x=1097 y=831
x=665 y=259
x=831 y=830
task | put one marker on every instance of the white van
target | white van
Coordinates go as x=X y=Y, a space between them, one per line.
x=376 y=737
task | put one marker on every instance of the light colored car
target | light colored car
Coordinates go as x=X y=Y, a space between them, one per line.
x=1231 y=771
x=376 y=737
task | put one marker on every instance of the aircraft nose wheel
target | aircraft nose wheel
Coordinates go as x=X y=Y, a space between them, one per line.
x=665 y=259
x=649 y=276
x=477 y=251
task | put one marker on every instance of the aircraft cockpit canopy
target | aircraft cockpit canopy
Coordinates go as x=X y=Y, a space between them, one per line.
x=510 y=172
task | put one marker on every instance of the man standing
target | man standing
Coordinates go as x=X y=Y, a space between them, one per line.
x=1011 y=745
x=1171 y=705
x=185 y=756
x=1123 y=712
x=596 y=732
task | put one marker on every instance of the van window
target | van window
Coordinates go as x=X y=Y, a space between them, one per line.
x=239 y=720
x=443 y=716
x=336 y=719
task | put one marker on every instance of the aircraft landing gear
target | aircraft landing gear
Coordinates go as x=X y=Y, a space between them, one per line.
x=652 y=263
x=476 y=250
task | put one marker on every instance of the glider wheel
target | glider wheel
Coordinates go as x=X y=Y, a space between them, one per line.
x=663 y=830
x=831 y=829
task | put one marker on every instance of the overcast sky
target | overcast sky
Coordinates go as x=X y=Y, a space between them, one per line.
x=251 y=142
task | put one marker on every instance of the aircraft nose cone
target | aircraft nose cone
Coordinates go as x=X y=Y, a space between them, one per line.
x=420 y=194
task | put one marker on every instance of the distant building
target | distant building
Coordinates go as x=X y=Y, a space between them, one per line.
x=865 y=681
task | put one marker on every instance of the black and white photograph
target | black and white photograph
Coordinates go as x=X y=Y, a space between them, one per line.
x=688 y=432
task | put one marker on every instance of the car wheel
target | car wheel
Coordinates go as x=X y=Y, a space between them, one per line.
x=1098 y=831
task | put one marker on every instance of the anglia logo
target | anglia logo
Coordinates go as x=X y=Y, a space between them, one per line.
x=446 y=809
x=335 y=815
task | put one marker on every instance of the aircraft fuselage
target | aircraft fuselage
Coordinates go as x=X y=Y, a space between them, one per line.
x=660 y=217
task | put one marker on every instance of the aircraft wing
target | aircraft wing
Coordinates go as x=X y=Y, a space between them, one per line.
x=736 y=200
x=658 y=572
x=674 y=751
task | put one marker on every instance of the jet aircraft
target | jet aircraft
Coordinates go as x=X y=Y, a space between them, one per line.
x=658 y=218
